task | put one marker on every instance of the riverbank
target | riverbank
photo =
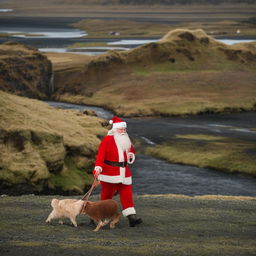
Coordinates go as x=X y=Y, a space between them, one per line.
x=207 y=151
x=172 y=225
x=186 y=72
x=45 y=150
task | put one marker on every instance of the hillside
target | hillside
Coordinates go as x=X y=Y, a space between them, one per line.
x=186 y=72
x=43 y=149
x=25 y=71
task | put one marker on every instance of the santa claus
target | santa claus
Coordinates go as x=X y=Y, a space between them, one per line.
x=115 y=153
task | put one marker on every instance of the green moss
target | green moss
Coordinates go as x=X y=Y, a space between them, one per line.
x=208 y=151
x=27 y=244
x=70 y=178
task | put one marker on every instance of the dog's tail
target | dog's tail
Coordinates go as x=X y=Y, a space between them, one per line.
x=54 y=203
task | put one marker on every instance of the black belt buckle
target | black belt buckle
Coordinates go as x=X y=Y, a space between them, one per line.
x=123 y=164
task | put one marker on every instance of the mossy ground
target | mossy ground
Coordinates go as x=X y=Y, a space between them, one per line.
x=39 y=143
x=223 y=153
x=173 y=225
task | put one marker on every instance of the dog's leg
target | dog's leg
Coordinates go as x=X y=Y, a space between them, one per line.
x=114 y=221
x=73 y=220
x=105 y=222
x=50 y=217
x=61 y=222
x=100 y=224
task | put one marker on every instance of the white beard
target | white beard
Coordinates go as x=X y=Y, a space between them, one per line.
x=123 y=141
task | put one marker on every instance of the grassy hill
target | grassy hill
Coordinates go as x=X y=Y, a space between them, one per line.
x=25 y=71
x=186 y=72
x=43 y=149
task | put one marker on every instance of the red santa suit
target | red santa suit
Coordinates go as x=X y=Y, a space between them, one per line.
x=115 y=178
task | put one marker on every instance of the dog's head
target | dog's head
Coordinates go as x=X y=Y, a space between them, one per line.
x=85 y=207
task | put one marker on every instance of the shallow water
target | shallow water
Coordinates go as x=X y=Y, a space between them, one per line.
x=55 y=35
x=155 y=176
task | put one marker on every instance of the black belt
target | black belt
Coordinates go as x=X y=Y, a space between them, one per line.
x=119 y=164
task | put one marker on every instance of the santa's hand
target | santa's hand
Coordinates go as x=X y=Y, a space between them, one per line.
x=131 y=158
x=97 y=171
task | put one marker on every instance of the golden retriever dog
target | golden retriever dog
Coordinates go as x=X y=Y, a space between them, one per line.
x=102 y=212
x=66 y=208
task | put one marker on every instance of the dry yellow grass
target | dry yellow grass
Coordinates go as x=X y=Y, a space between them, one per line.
x=22 y=114
x=64 y=61
x=186 y=72
x=46 y=148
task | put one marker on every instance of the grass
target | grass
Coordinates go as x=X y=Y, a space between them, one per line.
x=102 y=28
x=171 y=77
x=176 y=225
x=215 y=152
x=71 y=178
x=174 y=93
x=42 y=145
x=67 y=61
x=88 y=44
x=154 y=20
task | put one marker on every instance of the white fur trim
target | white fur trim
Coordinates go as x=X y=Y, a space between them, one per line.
x=131 y=158
x=98 y=168
x=111 y=132
x=128 y=211
x=110 y=121
x=115 y=179
x=120 y=125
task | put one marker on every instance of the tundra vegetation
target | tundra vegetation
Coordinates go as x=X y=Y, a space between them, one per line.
x=25 y=71
x=46 y=150
x=185 y=72
x=173 y=225
x=43 y=149
x=219 y=153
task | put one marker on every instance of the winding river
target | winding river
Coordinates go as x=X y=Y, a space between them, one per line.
x=155 y=176
x=151 y=175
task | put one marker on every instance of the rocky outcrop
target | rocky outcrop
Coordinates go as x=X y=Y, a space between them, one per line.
x=25 y=71
x=45 y=150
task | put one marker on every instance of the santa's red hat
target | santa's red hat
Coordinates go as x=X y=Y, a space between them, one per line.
x=117 y=122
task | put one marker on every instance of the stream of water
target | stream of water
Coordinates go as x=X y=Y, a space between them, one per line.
x=155 y=176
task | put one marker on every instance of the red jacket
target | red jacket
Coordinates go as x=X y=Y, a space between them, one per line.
x=108 y=150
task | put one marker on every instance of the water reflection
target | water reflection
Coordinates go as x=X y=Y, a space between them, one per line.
x=122 y=45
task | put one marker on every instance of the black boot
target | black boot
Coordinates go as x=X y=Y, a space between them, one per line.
x=133 y=220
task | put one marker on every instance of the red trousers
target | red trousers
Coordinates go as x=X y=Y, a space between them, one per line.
x=125 y=192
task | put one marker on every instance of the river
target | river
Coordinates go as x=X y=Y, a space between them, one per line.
x=56 y=35
x=151 y=175
x=155 y=176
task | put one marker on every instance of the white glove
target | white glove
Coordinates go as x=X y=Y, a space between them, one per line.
x=97 y=171
x=130 y=158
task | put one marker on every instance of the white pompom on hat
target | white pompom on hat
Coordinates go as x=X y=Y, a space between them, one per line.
x=117 y=122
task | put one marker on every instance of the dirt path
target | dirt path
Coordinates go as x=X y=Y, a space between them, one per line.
x=172 y=226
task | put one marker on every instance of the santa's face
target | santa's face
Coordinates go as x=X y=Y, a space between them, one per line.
x=122 y=139
x=121 y=131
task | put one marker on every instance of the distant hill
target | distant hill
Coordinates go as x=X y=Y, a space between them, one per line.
x=186 y=72
x=185 y=2
x=154 y=2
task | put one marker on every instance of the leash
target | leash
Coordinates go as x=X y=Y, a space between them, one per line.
x=88 y=193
